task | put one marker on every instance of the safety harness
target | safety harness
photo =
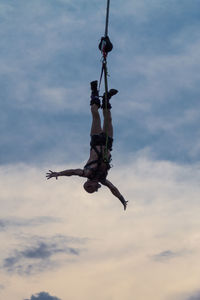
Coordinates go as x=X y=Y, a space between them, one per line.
x=97 y=172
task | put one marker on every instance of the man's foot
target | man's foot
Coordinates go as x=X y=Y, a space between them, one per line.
x=95 y=94
x=94 y=85
x=111 y=93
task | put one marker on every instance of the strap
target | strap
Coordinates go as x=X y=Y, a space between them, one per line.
x=102 y=69
x=91 y=163
x=98 y=161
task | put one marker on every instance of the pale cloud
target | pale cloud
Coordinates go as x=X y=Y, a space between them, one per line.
x=7 y=223
x=59 y=99
x=157 y=238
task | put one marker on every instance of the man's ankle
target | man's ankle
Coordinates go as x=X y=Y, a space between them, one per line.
x=95 y=100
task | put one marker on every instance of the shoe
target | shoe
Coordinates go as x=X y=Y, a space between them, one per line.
x=95 y=93
x=94 y=85
x=111 y=93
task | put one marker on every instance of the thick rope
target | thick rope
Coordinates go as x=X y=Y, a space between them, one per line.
x=107 y=17
x=105 y=72
x=106 y=84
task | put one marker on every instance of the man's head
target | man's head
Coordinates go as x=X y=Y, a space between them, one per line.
x=91 y=186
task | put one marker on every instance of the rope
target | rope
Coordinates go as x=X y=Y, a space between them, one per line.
x=104 y=69
x=106 y=110
x=100 y=79
x=107 y=17
x=104 y=50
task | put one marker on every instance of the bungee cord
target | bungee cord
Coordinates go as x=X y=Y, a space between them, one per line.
x=105 y=46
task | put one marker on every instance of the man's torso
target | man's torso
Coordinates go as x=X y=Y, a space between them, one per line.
x=96 y=167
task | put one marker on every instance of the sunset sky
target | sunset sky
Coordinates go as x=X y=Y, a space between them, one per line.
x=57 y=241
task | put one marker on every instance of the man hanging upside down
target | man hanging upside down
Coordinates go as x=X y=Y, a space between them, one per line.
x=96 y=169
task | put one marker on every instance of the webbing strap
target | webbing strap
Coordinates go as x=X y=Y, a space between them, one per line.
x=100 y=79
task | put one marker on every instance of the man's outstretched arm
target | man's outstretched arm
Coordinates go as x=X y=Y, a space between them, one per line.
x=71 y=172
x=115 y=192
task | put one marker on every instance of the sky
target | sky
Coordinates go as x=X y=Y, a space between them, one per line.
x=57 y=242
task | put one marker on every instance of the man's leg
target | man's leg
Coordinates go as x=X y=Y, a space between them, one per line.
x=96 y=120
x=95 y=105
x=107 y=125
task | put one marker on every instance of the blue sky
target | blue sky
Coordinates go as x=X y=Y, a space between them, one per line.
x=49 y=54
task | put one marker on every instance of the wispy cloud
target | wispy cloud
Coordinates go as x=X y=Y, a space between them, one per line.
x=166 y=255
x=22 y=222
x=41 y=255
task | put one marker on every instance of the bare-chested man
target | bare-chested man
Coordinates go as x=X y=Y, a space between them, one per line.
x=96 y=169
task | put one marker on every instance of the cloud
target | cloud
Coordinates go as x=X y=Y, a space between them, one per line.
x=13 y=222
x=194 y=296
x=43 y=296
x=2 y=225
x=162 y=219
x=165 y=255
x=42 y=255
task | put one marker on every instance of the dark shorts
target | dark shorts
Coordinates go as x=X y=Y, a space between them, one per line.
x=100 y=140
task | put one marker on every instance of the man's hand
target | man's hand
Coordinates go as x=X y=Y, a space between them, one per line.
x=124 y=202
x=115 y=192
x=51 y=174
